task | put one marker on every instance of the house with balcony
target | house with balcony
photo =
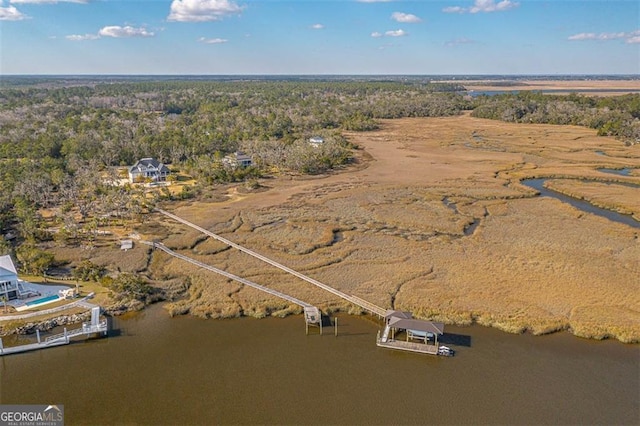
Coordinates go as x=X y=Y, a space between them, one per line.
x=237 y=159
x=148 y=169
x=9 y=287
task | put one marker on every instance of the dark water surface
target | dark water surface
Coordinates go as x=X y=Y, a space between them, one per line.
x=620 y=172
x=160 y=370
x=538 y=184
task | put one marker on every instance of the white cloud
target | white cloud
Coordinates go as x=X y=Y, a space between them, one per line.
x=390 y=33
x=317 y=26
x=10 y=13
x=483 y=6
x=630 y=37
x=47 y=1
x=202 y=10
x=396 y=33
x=124 y=32
x=80 y=37
x=454 y=9
x=212 y=40
x=407 y=18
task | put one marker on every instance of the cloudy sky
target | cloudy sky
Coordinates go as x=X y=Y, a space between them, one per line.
x=319 y=37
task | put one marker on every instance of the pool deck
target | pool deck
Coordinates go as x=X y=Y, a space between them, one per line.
x=43 y=290
x=26 y=304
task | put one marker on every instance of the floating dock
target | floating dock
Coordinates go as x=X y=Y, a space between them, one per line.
x=95 y=327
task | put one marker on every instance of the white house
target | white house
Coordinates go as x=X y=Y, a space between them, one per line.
x=148 y=168
x=238 y=159
x=316 y=141
x=8 y=279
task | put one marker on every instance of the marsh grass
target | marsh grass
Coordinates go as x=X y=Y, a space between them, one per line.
x=610 y=196
x=383 y=232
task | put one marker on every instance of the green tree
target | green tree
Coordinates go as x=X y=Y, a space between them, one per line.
x=130 y=286
x=34 y=260
x=88 y=271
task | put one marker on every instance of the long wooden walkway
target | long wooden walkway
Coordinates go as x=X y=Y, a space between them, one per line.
x=367 y=306
x=273 y=292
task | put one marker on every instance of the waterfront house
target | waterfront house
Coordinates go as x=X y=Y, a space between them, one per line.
x=238 y=159
x=8 y=279
x=148 y=168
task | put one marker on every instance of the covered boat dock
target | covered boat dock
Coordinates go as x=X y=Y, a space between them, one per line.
x=420 y=335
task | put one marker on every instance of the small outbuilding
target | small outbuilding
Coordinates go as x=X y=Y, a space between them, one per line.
x=126 y=245
x=316 y=141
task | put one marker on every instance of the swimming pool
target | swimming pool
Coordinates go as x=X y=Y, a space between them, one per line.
x=43 y=300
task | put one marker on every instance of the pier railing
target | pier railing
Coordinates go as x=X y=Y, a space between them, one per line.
x=273 y=292
x=87 y=328
x=367 y=306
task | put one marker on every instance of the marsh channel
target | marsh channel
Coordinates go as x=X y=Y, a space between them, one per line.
x=154 y=369
x=538 y=185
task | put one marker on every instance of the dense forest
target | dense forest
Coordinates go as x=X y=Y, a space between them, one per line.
x=612 y=116
x=59 y=142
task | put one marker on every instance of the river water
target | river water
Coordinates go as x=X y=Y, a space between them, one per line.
x=159 y=370
x=538 y=184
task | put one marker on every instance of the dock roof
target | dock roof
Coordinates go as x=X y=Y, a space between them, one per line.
x=417 y=325
x=397 y=314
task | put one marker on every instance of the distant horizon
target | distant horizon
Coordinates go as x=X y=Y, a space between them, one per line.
x=636 y=75
x=330 y=37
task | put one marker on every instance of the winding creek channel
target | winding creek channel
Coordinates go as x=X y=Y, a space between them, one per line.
x=538 y=185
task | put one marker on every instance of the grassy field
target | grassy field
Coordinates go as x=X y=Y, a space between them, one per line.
x=394 y=229
x=590 y=87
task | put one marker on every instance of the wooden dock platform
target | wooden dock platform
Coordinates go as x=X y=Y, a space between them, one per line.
x=409 y=346
x=95 y=327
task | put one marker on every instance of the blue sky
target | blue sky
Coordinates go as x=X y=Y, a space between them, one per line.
x=319 y=37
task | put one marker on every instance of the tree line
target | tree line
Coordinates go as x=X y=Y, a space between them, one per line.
x=617 y=116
